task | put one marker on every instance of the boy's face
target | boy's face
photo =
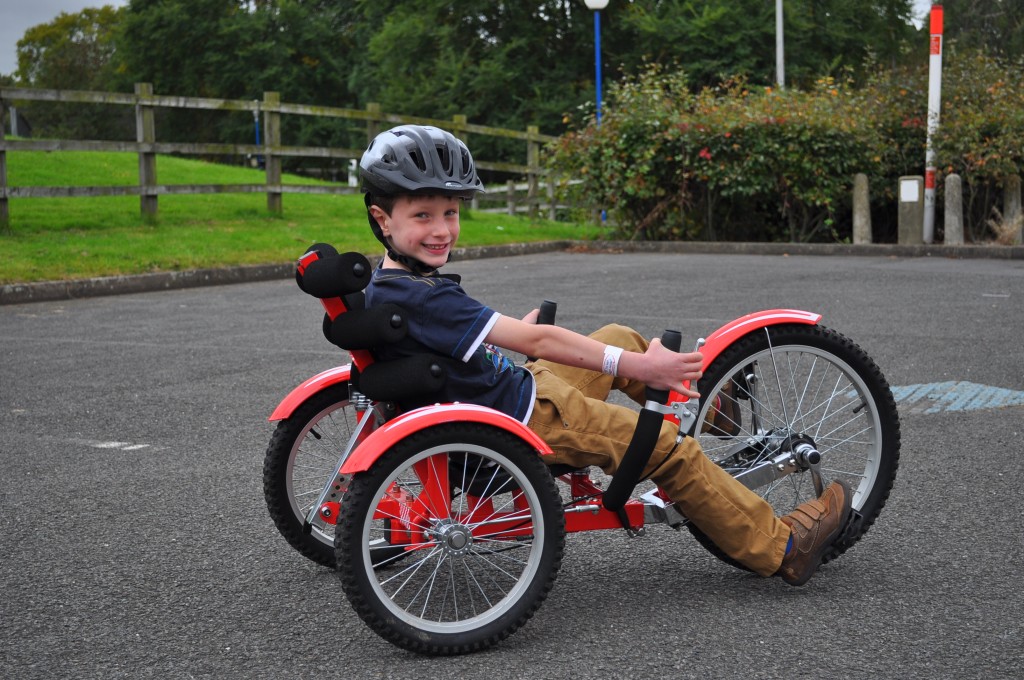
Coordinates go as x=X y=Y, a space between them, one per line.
x=423 y=227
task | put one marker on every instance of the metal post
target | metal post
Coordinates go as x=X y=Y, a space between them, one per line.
x=597 y=6
x=934 y=104
x=780 y=58
x=597 y=61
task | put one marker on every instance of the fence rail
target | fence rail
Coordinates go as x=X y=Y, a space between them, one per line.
x=517 y=197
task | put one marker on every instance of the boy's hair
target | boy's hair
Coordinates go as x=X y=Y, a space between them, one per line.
x=385 y=202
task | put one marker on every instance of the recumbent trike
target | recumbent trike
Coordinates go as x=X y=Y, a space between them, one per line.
x=446 y=525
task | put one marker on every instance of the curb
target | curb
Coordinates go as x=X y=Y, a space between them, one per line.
x=48 y=291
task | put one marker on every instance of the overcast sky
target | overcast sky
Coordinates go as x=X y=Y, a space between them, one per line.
x=17 y=16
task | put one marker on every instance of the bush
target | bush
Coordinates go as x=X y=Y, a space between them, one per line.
x=980 y=133
x=742 y=163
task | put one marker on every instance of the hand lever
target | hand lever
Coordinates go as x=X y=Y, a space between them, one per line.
x=645 y=438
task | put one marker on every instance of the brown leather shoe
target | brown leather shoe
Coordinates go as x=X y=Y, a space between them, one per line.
x=725 y=422
x=815 y=525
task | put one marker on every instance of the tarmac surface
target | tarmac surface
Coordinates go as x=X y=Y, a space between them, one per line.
x=134 y=540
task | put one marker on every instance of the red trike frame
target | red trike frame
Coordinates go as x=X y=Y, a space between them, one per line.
x=584 y=513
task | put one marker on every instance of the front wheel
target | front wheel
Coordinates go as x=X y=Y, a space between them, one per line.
x=480 y=522
x=788 y=383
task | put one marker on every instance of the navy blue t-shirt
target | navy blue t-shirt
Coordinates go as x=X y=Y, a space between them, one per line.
x=444 y=320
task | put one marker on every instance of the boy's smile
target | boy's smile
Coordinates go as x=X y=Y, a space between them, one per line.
x=422 y=227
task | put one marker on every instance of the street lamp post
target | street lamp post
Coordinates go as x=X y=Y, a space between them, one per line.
x=597 y=6
x=780 y=58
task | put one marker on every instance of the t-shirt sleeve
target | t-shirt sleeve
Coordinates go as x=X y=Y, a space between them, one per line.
x=452 y=323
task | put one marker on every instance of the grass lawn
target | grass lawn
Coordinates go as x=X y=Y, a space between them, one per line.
x=69 y=238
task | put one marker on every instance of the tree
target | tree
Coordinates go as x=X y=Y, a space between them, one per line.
x=711 y=40
x=237 y=50
x=74 y=51
x=827 y=36
x=992 y=26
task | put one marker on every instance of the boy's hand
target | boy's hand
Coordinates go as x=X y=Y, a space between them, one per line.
x=532 y=316
x=668 y=369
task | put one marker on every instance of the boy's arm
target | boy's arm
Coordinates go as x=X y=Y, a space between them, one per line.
x=658 y=368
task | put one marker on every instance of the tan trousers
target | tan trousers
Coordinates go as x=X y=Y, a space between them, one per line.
x=572 y=416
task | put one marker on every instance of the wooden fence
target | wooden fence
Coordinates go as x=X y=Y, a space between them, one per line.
x=522 y=196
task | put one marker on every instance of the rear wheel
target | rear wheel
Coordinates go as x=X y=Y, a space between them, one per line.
x=302 y=455
x=481 y=523
x=789 y=383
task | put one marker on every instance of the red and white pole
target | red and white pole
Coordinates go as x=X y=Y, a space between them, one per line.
x=934 y=106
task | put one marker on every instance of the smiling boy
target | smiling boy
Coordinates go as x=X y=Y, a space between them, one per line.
x=416 y=178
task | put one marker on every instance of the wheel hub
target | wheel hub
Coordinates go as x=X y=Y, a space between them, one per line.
x=454 y=538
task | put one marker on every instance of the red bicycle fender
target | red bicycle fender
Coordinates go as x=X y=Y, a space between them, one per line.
x=317 y=383
x=734 y=330
x=414 y=421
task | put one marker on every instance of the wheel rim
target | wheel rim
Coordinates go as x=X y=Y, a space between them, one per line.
x=312 y=462
x=464 y=569
x=799 y=390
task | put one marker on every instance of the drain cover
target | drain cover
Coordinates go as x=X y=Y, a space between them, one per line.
x=955 y=395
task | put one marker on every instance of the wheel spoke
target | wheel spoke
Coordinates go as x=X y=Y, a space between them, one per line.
x=799 y=390
x=469 y=520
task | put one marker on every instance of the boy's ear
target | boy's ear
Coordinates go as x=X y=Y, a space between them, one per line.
x=378 y=214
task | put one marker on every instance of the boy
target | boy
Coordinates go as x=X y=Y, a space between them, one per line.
x=415 y=178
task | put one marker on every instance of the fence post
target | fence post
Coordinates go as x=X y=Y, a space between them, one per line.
x=1011 y=206
x=459 y=123
x=861 y=210
x=532 y=162
x=953 y=222
x=5 y=215
x=552 y=212
x=271 y=144
x=373 y=124
x=510 y=197
x=145 y=134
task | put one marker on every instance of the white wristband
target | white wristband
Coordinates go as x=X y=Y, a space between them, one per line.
x=610 y=365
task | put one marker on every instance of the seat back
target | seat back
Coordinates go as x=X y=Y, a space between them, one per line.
x=338 y=282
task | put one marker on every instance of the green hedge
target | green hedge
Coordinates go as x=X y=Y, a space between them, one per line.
x=747 y=163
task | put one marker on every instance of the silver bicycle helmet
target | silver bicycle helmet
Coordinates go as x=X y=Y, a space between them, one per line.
x=416 y=159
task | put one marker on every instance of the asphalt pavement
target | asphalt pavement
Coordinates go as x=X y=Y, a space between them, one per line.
x=134 y=540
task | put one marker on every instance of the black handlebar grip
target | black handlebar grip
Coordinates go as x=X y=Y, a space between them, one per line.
x=671 y=340
x=546 y=317
x=547 y=312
